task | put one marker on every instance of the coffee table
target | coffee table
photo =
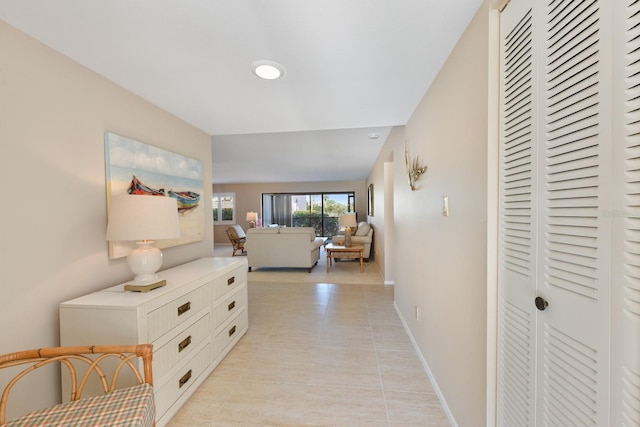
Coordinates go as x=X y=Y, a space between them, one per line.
x=338 y=251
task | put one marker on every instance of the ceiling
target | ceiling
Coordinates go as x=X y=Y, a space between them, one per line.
x=353 y=68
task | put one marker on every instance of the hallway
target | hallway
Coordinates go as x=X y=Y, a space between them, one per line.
x=318 y=354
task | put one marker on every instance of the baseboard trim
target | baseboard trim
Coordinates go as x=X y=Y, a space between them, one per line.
x=425 y=365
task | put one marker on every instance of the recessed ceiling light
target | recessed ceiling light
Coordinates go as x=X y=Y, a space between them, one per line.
x=267 y=70
x=374 y=136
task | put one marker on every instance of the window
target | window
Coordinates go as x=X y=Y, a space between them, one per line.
x=224 y=208
x=318 y=210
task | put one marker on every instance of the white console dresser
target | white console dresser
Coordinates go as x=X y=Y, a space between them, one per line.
x=192 y=322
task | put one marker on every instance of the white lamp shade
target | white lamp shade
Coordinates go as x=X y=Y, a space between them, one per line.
x=143 y=219
x=252 y=216
x=140 y=217
x=348 y=220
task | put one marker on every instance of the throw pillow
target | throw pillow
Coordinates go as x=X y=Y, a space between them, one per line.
x=363 y=229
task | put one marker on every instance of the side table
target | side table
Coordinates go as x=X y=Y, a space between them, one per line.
x=338 y=251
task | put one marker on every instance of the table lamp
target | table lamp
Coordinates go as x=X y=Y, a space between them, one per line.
x=347 y=221
x=143 y=219
x=252 y=217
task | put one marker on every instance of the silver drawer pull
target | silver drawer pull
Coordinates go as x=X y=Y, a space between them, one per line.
x=184 y=343
x=186 y=377
x=184 y=308
x=231 y=306
x=232 y=330
x=231 y=280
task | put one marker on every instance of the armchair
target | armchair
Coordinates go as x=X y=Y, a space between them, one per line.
x=237 y=237
x=362 y=235
x=131 y=406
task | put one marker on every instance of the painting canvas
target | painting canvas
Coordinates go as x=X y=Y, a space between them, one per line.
x=137 y=168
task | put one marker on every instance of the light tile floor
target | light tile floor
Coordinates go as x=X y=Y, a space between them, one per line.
x=318 y=354
x=323 y=349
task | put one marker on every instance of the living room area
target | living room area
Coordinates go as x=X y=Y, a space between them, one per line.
x=358 y=198
x=345 y=271
x=294 y=229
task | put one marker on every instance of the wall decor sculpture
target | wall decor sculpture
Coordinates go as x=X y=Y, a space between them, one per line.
x=414 y=170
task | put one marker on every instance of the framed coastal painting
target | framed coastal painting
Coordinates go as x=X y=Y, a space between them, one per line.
x=137 y=168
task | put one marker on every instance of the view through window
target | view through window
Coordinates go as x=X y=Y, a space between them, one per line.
x=318 y=210
x=224 y=208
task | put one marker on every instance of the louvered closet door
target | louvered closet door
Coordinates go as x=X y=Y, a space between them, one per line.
x=575 y=190
x=625 y=326
x=517 y=268
x=563 y=346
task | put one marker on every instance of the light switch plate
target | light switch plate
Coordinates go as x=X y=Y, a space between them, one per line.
x=445 y=206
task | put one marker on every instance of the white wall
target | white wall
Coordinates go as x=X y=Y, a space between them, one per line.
x=440 y=262
x=383 y=201
x=53 y=115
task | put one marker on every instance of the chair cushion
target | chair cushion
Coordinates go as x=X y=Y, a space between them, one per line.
x=310 y=231
x=128 y=407
x=236 y=232
x=363 y=229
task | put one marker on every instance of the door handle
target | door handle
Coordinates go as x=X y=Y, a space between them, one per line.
x=541 y=303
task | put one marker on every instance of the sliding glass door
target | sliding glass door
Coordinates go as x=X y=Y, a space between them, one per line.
x=318 y=210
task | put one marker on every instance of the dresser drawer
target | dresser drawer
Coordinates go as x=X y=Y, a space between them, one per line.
x=228 y=282
x=229 y=332
x=163 y=319
x=202 y=302
x=178 y=348
x=228 y=307
x=171 y=391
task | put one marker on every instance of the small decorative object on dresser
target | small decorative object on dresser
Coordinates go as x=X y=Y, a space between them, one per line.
x=192 y=322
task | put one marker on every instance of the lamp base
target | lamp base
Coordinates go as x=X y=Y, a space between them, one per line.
x=347 y=237
x=144 y=261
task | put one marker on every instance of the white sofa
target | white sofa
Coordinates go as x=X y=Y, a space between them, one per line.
x=363 y=235
x=283 y=247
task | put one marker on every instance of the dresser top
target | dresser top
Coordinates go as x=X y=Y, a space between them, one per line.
x=191 y=274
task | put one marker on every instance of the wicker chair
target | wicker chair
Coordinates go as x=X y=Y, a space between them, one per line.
x=130 y=406
x=238 y=238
